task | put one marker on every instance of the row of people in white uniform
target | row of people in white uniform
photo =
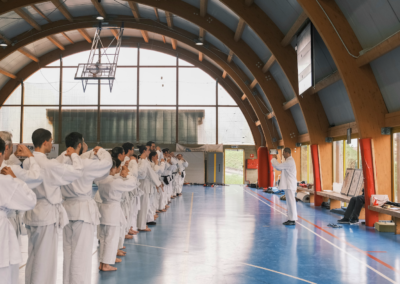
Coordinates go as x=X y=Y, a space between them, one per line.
x=56 y=196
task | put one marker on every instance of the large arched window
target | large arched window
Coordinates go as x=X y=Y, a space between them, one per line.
x=155 y=97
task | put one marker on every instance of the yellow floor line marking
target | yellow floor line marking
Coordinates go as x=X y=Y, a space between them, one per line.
x=342 y=250
x=277 y=272
x=189 y=223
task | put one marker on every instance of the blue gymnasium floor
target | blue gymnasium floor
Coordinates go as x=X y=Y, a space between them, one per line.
x=234 y=234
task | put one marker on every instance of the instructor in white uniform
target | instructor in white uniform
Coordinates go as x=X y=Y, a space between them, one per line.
x=288 y=183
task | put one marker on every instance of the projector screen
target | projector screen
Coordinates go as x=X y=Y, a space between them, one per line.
x=305 y=66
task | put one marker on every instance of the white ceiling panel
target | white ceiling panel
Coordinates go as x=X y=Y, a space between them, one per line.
x=112 y=7
x=243 y=68
x=336 y=104
x=79 y=8
x=299 y=119
x=50 y=11
x=3 y=80
x=264 y=97
x=147 y=12
x=282 y=81
x=41 y=47
x=223 y=14
x=187 y=26
x=14 y=62
x=11 y=25
x=255 y=42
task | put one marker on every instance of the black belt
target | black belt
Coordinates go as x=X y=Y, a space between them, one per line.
x=165 y=179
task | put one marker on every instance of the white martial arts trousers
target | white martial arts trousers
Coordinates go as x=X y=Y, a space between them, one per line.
x=108 y=249
x=134 y=212
x=41 y=266
x=9 y=274
x=291 y=204
x=77 y=245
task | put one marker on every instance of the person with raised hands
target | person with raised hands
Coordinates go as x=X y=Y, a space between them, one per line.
x=44 y=222
x=83 y=213
x=182 y=165
x=147 y=178
x=110 y=191
x=14 y=195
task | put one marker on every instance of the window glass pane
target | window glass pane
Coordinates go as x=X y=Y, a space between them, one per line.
x=10 y=120
x=157 y=124
x=75 y=59
x=338 y=161
x=124 y=91
x=40 y=117
x=157 y=86
x=224 y=98
x=15 y=97
x=73 y=91
x=197 y=125
x=184 y=63
x=396 y=168
x=233 y=128
x=117 y=124
x=304 y=163
x=155 y=58
x=82 y=120
x=351 y=154
x=43 y=87
x=196 y=87
x=127 y=56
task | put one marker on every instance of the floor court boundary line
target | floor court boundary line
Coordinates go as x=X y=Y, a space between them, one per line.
x=332 y=235
x=342 y=250
x=189 y=224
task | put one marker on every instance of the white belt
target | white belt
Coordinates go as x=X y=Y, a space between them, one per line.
x=94 y=213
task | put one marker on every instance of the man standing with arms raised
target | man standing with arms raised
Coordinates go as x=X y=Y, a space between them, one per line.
x=82 y=210
x=288 y=183
x=44 y=222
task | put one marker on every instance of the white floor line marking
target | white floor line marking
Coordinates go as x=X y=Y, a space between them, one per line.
x=277 y=272
x=342 y=250
x=189 y=223
x=145 y=246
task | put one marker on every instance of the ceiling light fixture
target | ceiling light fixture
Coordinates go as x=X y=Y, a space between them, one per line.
x=100 y=18
x=3 y=44
x=199 y=41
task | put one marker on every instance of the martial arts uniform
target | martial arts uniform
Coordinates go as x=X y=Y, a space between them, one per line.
x=158 y=195
x=182 y=165
x=175 y=181
x=110 y=192
x=32 y=178
x=83 y=215
x=134 y=195
x=147 y=178
x=14 y=195
x=48 y=216
x=288 y=183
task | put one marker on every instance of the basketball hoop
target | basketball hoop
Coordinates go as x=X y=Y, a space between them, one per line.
x=102 y=64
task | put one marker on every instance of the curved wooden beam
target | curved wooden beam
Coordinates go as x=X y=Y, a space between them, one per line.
x=207 y=67
x=178 y=34
x=363 y=91
x=316 y=120
x=244 y=53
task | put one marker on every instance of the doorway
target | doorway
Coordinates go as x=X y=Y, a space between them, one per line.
x=234 y=166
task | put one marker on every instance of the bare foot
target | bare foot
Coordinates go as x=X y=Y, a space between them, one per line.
x=128 y=237
x=145 y=230
x=132 y=232
x=121 y=253
x=107 y=267
x=118 y=260
x=124 y=247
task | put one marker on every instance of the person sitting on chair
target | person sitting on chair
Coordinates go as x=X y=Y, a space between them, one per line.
x=353 y=210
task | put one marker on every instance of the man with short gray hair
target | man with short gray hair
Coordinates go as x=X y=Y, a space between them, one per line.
x=288 y=183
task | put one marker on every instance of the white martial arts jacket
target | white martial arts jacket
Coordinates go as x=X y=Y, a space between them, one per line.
x=14 y=195
x=48 y=209
x=110 y=191
x=182 y=165
x=31 y=177
x=158 y=169
x=160 y=155
x=78 y=201
x=288 y=175
x=147 y=175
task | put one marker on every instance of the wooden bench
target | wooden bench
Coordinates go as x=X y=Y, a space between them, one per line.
x=336 y=199
x=394 y=214
x=310 y=190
